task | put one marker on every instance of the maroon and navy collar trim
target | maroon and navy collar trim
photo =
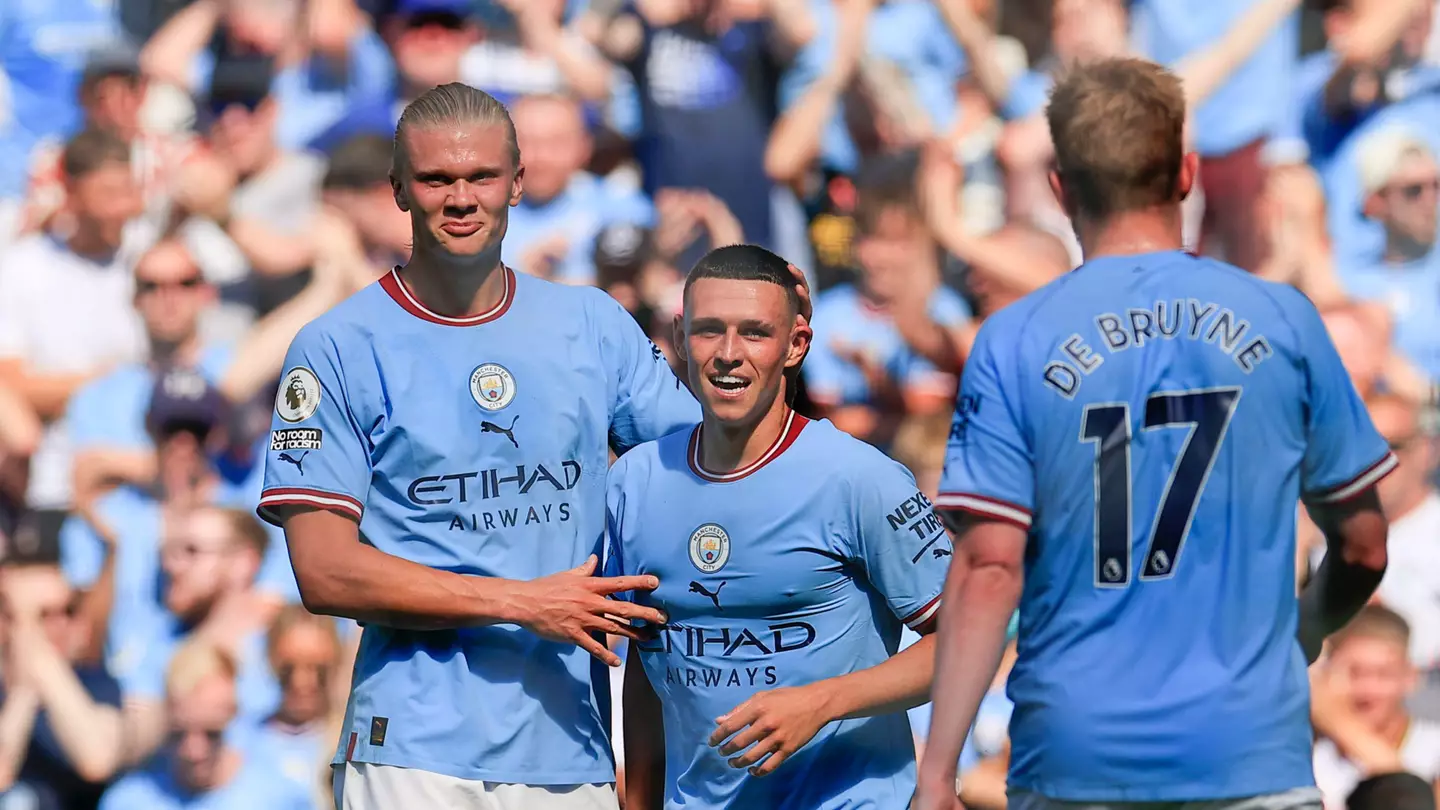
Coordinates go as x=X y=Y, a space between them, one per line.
x=396 y=288
x=794 y=423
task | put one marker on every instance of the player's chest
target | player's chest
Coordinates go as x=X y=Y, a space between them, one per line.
x=724 y=563
x=508 y=399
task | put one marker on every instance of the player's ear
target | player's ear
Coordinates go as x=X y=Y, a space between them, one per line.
x=402 y=201
x=800 y=337
x=1189 y=171
x=677 y=339
x=517 y=186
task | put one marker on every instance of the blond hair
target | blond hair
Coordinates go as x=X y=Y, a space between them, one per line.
x=451 y=104
x=195 y=661
x=293 y=616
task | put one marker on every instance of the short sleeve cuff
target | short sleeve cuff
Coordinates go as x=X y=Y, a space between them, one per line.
x=310 y=498
x=1369 y=477
x=984 y=507
x=917 y=619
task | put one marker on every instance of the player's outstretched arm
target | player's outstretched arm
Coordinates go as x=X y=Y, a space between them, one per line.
x=773 y=725
x=981 y=593
x=1355 y=560
x=340 y=576
x=644 y=739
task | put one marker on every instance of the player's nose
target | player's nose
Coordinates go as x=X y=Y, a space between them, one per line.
x=462 y=196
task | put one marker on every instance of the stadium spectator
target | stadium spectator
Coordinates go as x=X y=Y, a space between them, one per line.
x=357 y=186
x=331 y=68
x=528 y=49
x=1358 y=708
x=428 y=39
x=865 y=370
x=249 y=200
x=552 y=231
x=1411 y=586
x=65 y=307
x=202 y=768
x=1392 y=791
x=42 y=59
x=60 y=723
x=1402 y=188
x=304 y=652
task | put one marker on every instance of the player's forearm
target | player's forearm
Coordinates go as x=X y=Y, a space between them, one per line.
x=894 y=685
x=644 y=739
x=974 y=613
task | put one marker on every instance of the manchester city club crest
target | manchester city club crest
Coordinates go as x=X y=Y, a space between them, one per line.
x=492 y=386
x=299 y=395
x=709 y=548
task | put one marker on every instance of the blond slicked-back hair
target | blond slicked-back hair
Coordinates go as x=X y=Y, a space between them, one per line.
x=448 y=105
x=1118 y=126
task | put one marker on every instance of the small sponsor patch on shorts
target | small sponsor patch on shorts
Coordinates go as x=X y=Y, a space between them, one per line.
x=296 y=439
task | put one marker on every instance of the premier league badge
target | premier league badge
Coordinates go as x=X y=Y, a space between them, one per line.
x=492 y=386
x=709 y=548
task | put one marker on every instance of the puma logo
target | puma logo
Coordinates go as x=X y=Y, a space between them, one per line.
x=940 y=552
x=509 y=433
x=696 y=587
x=298 y=462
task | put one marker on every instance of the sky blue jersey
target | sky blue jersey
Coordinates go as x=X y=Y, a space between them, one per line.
x=800 y=567
x=1151 y=420
x=475 y=445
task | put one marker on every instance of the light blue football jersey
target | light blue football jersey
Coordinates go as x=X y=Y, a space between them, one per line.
x=474 y=445
x=1151 y=420
x=800 y=567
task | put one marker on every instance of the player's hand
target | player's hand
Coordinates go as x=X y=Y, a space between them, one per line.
x=571 y=606
x=771 y=726
x=802 y=289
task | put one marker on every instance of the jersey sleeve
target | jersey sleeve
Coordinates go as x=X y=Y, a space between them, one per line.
x=649 y=400
x=1344 y=453
x=900 y=542
x=319 y=457
x=989 y=470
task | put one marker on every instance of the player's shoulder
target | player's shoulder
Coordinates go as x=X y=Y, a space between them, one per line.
x=843 y=456
x=567 y=300
x=354 y=320
x=657 y=456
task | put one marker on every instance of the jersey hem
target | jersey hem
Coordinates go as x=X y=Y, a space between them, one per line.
x=1367 y=478
x=1188 y=792
x=984 y=506
x=336 y=502
x=538 y=779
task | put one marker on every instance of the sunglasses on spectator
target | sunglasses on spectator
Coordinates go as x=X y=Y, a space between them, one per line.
x=144 y=287
x=285 y=671
x=50 y=613
x=1413 y=191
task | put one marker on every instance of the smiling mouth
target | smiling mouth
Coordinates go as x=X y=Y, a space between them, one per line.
x=729 y=385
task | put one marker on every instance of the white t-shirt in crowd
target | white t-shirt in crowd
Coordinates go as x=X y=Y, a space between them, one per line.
x=1411 y=586
x=1336 y=776
x=64 y=314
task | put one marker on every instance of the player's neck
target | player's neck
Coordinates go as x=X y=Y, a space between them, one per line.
x=727 y=447
x=1130 y=233
x=453 y=288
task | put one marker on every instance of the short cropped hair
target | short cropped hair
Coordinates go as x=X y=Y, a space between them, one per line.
x=746 y=263
x=1392 y=791
x=90 y=150
x=1118 y=126
x=195 y=661
x=1377 y=622
x=359 y=163
x=450 y=104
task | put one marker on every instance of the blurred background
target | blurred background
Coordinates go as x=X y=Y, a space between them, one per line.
x=183 y=185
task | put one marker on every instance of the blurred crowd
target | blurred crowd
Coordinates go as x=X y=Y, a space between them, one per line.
x=185 y=183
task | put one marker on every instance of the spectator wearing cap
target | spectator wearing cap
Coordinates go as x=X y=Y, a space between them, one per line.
x=250 y=201
x=1401 y=181
x=329 y=62
x=1358 y=708
x=629 y=267
x=1392 y=791
x=202 y=767
x=62 y=719
x=112 y=550
x=65 y=305
x=42 y=57
x=428 y=38
x=552 y=231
